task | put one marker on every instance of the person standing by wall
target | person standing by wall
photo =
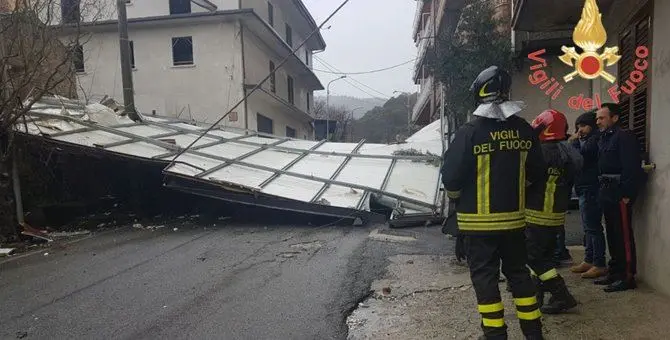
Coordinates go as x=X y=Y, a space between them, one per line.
x=621 y=175
x=485 y=171
x=587 y=188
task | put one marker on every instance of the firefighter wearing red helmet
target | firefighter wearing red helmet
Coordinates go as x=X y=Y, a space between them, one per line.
x=546 y=206
x=485 y=171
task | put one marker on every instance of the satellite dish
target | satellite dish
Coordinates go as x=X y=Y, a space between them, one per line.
x=206 y=4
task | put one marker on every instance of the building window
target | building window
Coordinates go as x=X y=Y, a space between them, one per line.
x=132 y=54
x=306 y=57
x=308 y=102
x=290 y=132
x=182 y=51
x=291 y=93
x=264 y=124
x=70 y=11
x=635 y=113
x=273 y=78
x=78 y=58
x=271 y=14
x=180 y=6
x=289 y=35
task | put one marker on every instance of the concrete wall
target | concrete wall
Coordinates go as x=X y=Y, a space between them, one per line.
x=97 y=10
x=209 y=86
x=257 y=57
x=652 y=215
x=281 y=8
x=259 y=103
x=536 y=99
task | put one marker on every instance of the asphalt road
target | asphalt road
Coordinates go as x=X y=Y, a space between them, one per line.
x=231 y=282
x=226 y=282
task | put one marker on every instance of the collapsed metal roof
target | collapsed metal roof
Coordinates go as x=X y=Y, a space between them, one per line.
x=324 y=178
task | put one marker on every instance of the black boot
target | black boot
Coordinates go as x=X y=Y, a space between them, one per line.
x=561 y=300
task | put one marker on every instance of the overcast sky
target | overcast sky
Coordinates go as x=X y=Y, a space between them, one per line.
x=366 y=35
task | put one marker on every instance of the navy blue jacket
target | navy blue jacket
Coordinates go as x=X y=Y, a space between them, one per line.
x=619 y=154
x=588 y=148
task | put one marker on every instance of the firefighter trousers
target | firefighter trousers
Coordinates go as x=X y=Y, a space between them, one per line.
x=484 y=254
x=541 y=244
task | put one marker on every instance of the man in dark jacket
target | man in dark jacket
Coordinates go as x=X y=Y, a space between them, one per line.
x=587 y=188
x=621 y=174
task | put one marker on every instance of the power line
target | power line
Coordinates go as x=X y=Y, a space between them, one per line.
x=368 y=72
x=352 y=84
x=349 y=79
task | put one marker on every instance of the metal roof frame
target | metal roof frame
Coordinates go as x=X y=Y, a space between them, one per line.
x=228 y=161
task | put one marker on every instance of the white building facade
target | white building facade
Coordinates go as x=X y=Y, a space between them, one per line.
x=197 y=59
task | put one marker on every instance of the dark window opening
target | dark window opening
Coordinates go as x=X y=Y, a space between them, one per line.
x=70 y=11
x=78 y=58
x=182 y=51
x=306 y=57
x=291 y=94
x=308 y=103
x=290 y=132
x=273 y=78
x=289 y=35
x=180 y=6
x=132 y=54
x=635 y=113
x=271 y=15
x=264 y=124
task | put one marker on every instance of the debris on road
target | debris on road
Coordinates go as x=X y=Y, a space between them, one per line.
x=34 y=232
x=64 y=234
x=6 y=251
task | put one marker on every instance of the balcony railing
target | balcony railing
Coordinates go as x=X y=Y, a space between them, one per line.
x=425 y=39
x=424 y=97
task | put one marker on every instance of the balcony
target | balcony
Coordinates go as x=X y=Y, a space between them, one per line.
x=425 y=41
x=422 y=101
x=550 y=15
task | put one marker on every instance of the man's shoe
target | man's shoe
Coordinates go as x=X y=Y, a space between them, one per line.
x=581 y=268
x=604 y=281
x=620 y=286
x=594 y=273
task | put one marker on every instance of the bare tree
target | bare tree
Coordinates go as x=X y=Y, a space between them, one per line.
x=340 y=114
x=41 y=42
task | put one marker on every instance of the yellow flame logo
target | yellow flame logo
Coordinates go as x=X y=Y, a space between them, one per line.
x=590 y=35
x=590 y=32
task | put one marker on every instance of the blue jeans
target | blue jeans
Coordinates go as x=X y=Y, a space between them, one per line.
x=592 y=214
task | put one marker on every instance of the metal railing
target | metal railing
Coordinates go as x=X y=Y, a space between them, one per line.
x=424 y=96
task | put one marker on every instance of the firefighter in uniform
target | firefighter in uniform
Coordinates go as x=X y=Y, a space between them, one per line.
x=546 y=206
x=485 y=171
x=621 y=175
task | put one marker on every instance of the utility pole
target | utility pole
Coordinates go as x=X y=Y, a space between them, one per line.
x=126 y=71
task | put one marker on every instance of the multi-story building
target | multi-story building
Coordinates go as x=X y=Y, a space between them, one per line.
x=427 y=21
x=437 y=18
x=196 y=59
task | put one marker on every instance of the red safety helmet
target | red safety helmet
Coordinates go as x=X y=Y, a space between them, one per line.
x=551 y=126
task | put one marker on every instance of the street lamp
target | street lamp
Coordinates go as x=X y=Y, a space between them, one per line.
x=409 y=113
x=328 y=104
